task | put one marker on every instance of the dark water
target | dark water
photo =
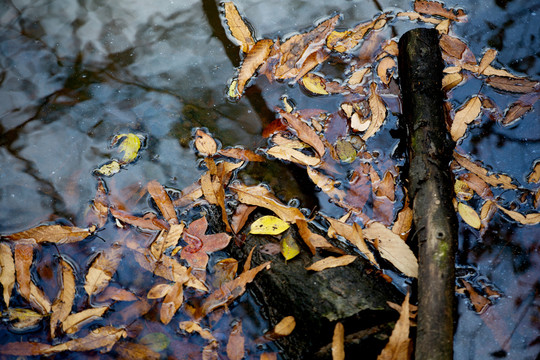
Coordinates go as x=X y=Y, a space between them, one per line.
x=75 y=73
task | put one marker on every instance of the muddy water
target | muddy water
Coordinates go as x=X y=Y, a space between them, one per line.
x=74 y=74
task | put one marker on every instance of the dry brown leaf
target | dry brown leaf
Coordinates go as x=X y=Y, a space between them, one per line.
x=103 y=337
x=241 y=154
x=313 y=240
x=100 y=205
x=7 y=276
x=347 y=40
x=338 y=342
x=166 y=240
x=528 y=219
x=171 y=303
x=240 y=216
x=384 y=67
x=515 y=111
x=534 y=176
x=190 y=327
x=149 y=220
x=378 y=112
x=399 y=343
x=443 y=27
x=39 y=300
x=22 y=348
x=235 y=345
x=479 y=302
x=354 y=234
x=133 y=350
x=24 y=255
x=304 y=132
x=282 y=329
x=451 y=80
x=457 y=49
x=402 y=226
x=102 y=269
x=416 y=16
x=357 y=76
x=261 y=196
x=331 y=262
x=63 y=303
x=74 y=322
x=437 y=8
x=58 y=234
x=393 y=248
x=158 y=291
x=163 y=201
x=254 y=59
x=503 y=181
x=189 y=195
x=516 y=85
x=487 y=59
x=292 y=155
x=464 y=116
x=239 y=30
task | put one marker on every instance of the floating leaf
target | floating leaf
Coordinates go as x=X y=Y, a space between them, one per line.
x=479 y=302
x=529 y=219
x=102 y=269
x=443 y=27
x=338 y=342
x=331 y=262
x=39 y=300
x=315 y=84
x=457 y=49
x=516 y=85
x=437 y=8
x=355 y=235
x=328 y=185
x=23 y=319
x=58 y=234
x=402 y=225
x=450 y=81
x=494 y=179
x=109 y=169
x=304 y=132
x=289 y=247
x=116 y=294
x=103 y=337
x=235 y=345
x=462 y=190
x=488 y=57
x=347 y=40
x=171 y=303
x=358 y=76
x=7 y=276
x=385 y=65
x=378 y=112
x=61 y=307
x=204 y=143
x=239 y=29
x=469 y=215
x=191 y=327
x=295 y=156
x=158 y=291
x=399 y=343
x=254 y=59
x=129 y=144
x=534 y=176
x=416 y=16
x=284 y=328
x=163 y=201
x=393 y=248
x=464 y=116
x=74 y=322
x=268 y=225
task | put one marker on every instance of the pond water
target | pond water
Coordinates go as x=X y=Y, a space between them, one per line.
x=75 y=73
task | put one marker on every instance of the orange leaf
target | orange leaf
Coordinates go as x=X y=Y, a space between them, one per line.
x=457 y=49
x=255 y=58
x=7 y=276
x=239 y=30
x=304 y=132
x=331 y=262
x=399 y=343
x=61 y=307
x=24 y=254
x=338 y=342
x=163 y=201
x=116 y=294
x=479 y=302
x=235 y=345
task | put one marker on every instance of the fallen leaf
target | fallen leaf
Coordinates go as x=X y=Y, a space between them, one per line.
x=63 y=303
x=129 y=144
x=393 y=248
x=479 y=302
x=487 y=59
x=235 y=345
x=102 y=269
x=416 y=16
x=437 y=8
x=304 y=132
x=109 y=169
x=241 y=154
x=116 y=294
x=402 y=226
x=24 y=255
x=399 y=346
x=469 y=215
x=191 y=326
x=268 y=356
x=256 y=56
x=464 y=116
x=462 y=190
x=24 y=348
x=58 y=234
x=149 y=220
x=516 y=85
x=478 y=185
x=329 y=186
x=292 y=155
x=289 y=247
x=313 y=240
x=224 y=271
x=171 y=303
x=132 y=350
x=163 y=201
x=74 y=322
x=103 y=337
x=240 y=216
x=487 y=211
x=354 y=235
x=200 y=244
x=378 y=112
x=338 y=342
x=156 y=341
x=345 y=151
x=528 y=219
x=358 y=76
x=347 y=40
x=515 y=111
x=534 y=176
x=284 y=328
x=39 y=300
x=23 y=319
x=503 y=181
x=261 y=196
x=239 y=30
x=450 y=81
x=268 y=225
x=457 y=49
x=100 y=205
x=314 y=84
x=331 y=262
x=167 y=240
x=443 y=27
x=385 y=65
x=7 y=276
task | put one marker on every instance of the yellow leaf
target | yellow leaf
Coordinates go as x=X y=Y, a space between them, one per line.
x=233 y=90
x=268 y=225
x=346 y=152
x=109 y=169
x=23 y=318
x=289 y=247
x=129 y=144
x=331 y=262
x=314 y=84
x=464 y=116
x=469 y=215
x=239 y=30
x=462 y=190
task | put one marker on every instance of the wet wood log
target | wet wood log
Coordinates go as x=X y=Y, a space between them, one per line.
x=430 y=190
x=353 y=295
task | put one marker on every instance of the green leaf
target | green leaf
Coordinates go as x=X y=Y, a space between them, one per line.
x=268 y=225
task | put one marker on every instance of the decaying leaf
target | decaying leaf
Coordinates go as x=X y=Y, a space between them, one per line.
x=393 y=248
x=239 y=30
x=516 y=85
x=268 y=225
x=437 y=8
x=100 y=205
x=74 y=322
x=384 y=67
x=501 y=180
x=132 y=350
x=479 y=302
x=289 y=247
x=24 y=254
x=347 y=40
x=304 y=132
x=235 y=345
x=156 y=341
x=148 y=221
x=129 y=144
x=528 y=219
x=224 y=271
x=469 y=215
x=171 y=303
x=241 y=154
x=313 y=240
x=358 y=76
x=191 y=326
x=355 y=235
x=338 y=342
x=331 y=262
x=326 y=184
x=7 y=277
x=256 y=56
x=58 y=234
x=315 y=84
x=102 y=269
x=295 y=156
x=378 y=112
x=23 y=319
x=240 y=216
x=163 y=201
x=63 y=303
x=399 y=344
x=464 y=116
x=104 y=337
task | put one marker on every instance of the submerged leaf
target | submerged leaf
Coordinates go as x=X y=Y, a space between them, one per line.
x=268 y=225
x=103 y=337
x=102 y=269
x=61 y=307
x=171 y=303
x=163 y=201
x=235 y=345
x=7 y=276
x=58 y=234
x=73 y=322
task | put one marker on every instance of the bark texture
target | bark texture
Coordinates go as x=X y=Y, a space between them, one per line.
x=430 y=190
